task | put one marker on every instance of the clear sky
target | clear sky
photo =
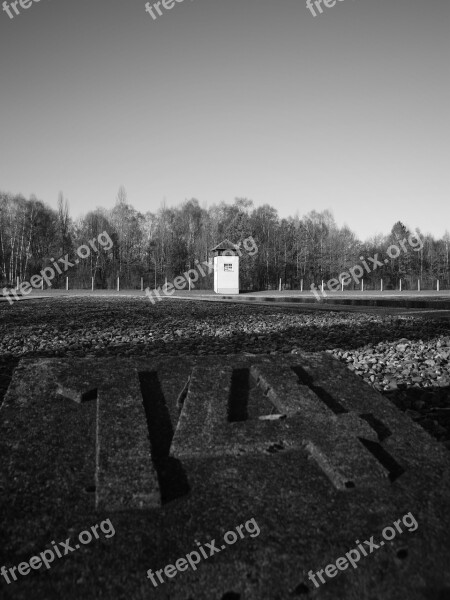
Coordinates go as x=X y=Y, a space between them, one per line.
x=218 y=99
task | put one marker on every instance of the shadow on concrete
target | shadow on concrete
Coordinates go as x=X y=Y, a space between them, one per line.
x=172 y=479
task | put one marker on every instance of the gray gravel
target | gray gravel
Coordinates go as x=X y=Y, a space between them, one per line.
x=405 y=358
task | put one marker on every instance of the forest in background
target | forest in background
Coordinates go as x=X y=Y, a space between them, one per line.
x=164 y=244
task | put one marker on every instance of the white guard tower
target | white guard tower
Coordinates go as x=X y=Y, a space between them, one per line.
x=226 y=268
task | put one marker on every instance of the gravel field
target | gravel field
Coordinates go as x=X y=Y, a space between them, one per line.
x=405 y=358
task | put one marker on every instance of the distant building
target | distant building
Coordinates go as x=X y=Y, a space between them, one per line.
x=226 y=268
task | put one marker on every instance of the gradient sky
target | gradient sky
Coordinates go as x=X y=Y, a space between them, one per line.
x=218 y=99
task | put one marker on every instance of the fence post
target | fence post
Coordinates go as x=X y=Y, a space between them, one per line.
x=301 y=285
x=42 y=284
x=92 y=284
x=18 y=282
x=322 y=286
x=362 y=285
x=279 y=287
x=118 y=284
x=381 y=285
x=400 y=285
x=438 y=285
x=189 y=280
x=142 y=284
x=67 y=284
x=418 y=285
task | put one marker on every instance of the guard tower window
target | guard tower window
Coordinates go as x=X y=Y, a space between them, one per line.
x=228 y=266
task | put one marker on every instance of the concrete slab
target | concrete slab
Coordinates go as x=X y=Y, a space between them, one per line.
x=181 y=450
x=125 y=478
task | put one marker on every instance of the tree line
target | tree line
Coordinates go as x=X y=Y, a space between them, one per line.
x=158 y=245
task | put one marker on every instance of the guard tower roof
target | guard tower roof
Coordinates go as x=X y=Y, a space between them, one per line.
x=225 y=245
